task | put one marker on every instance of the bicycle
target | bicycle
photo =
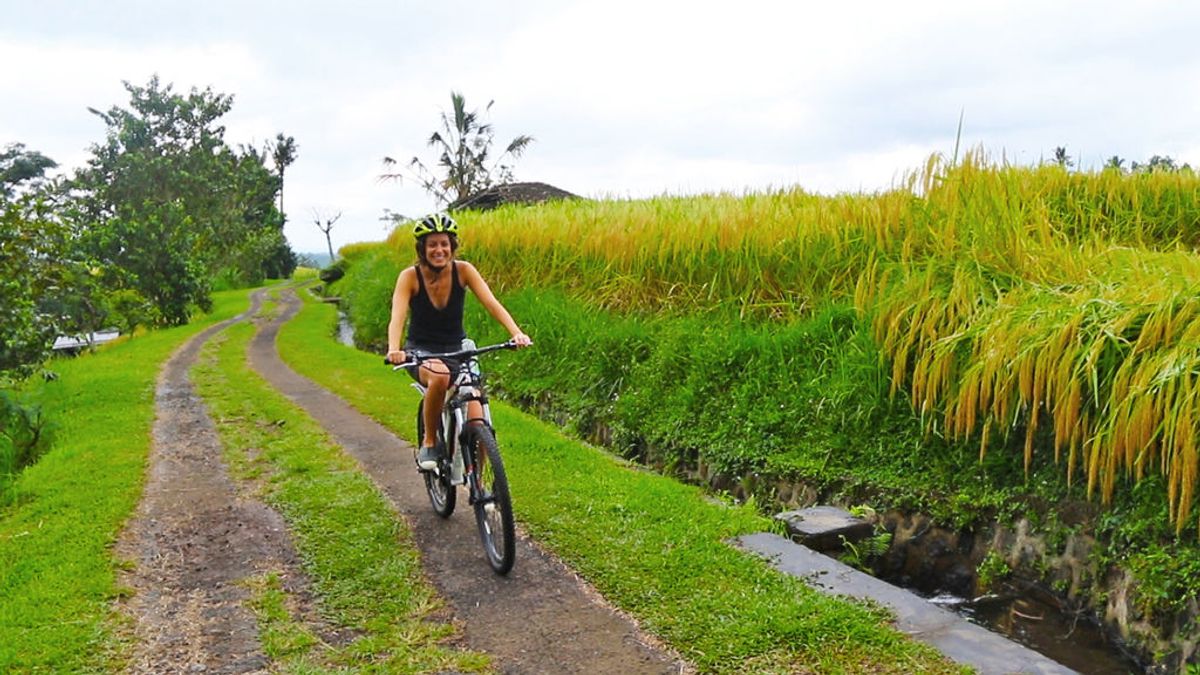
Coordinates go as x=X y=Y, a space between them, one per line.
x=471 y=456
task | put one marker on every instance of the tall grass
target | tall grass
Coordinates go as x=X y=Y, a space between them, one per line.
x=1010 y=302
x=765 y=255
x=1038 y=299
x=771 y=254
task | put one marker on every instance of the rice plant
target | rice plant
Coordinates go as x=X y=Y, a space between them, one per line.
x=1007 y=300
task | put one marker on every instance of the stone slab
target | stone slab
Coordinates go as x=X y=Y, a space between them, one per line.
x=70 y=342
x=960 y=640
x=823 y=527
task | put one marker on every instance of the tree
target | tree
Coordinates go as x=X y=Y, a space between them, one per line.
x=1115 y=163
x=40 y=276
x=1061 y=157
x=264 y=252
x=46 y=288
x=284 y=153
x=463 y=145
x=1157 y=163
x=166 y=206
x=392 y=220
x=18 y=165
x=326 y=226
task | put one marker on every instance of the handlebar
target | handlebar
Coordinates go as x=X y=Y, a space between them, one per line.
x=415 y=359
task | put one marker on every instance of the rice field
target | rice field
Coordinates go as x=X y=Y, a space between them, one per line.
x=1057 y=307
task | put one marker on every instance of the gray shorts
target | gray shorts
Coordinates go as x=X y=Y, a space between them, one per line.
x=411 y=348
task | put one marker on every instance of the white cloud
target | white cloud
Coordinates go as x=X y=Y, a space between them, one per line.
x=624 y=97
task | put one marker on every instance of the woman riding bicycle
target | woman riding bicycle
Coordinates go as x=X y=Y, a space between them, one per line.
x=433 y=291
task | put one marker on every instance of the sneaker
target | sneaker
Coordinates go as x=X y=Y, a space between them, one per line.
x=427 y=458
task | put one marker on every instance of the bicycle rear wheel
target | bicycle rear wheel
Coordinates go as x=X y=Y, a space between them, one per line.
x=442 y=494
x=493 y=506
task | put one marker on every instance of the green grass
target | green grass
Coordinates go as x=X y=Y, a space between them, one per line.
x=654 y=547
x=285 y=637
x=1034 y=304
x=362 y=562
x=57 y=572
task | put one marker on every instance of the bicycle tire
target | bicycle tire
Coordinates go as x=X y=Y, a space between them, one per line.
x=493 y=505
x=442 y=493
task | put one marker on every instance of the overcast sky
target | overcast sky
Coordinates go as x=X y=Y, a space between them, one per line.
x=625 y=98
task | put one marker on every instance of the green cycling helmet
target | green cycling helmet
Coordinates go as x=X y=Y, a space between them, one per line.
x=434 y=223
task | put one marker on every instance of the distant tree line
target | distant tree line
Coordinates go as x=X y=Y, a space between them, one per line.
x=1117 y=163
x=163 y=211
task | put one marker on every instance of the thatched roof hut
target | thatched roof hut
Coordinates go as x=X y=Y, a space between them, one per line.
x=510 y=193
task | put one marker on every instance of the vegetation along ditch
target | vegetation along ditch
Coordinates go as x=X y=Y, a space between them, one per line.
x=1002 y=351
x=653 y=547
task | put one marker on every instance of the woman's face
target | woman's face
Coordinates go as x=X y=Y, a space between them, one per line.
x=438 y=251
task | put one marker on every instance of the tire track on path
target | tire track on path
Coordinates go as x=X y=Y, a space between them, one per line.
x=540 y=618
x=194 y=538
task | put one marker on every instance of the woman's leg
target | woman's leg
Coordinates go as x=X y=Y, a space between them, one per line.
x=436 y=378
x=474 y=412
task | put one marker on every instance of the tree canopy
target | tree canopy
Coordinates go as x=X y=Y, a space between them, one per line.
x=463 y=146
x=163 y=210
x=167 y=207
x=20 y=166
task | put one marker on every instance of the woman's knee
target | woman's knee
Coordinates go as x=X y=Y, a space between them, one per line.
x=435 y=374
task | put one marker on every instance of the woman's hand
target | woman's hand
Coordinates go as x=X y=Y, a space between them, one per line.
x=521 y=340
x=396 y=357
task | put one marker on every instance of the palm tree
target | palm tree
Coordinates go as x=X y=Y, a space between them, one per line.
x=1061 y=157
x=283 y=154
x=463 y=145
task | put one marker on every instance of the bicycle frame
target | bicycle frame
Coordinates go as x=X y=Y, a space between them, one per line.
x=466 y=386
x=472 y=456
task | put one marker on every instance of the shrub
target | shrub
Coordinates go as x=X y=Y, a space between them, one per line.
x=24 y=438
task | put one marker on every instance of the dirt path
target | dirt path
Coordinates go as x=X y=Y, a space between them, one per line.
x=195 y=538
x=539 y=619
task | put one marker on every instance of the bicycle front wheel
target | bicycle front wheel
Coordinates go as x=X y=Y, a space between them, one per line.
x=493 y=506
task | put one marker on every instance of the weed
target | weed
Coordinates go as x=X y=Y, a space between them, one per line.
x=991 y=569
x=862 y=554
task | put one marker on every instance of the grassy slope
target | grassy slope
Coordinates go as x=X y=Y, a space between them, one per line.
x=653 y=546
x=57 y=574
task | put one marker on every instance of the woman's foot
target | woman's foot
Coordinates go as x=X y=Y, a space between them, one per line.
x=428 y=456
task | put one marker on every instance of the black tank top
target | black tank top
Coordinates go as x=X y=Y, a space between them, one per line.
x=430 y=327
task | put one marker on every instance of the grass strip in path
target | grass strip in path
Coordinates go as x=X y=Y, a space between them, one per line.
x=57 y=573
x=363 y=564
x=652 y=546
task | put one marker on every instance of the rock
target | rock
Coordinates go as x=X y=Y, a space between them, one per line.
x=822 y=528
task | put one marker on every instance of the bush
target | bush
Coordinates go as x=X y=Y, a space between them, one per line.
x=127 y=309
x=804 y=400
x=24 y=438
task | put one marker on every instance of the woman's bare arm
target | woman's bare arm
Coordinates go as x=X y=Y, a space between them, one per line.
x=400 y=298
x=474 y=281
